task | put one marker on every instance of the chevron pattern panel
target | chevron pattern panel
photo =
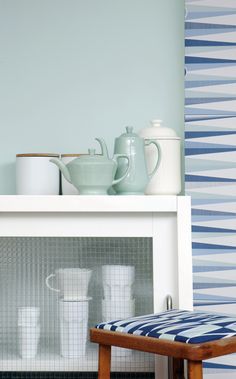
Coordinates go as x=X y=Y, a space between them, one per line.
x=210 y=158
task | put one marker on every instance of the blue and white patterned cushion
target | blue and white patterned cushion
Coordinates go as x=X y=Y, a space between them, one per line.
x=177 y=325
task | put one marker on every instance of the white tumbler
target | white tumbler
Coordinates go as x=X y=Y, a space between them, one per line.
x=28 y=316
x=73 y=327
x=117 y=309
x=118 y=281
x=28 y=331
x=28 y=340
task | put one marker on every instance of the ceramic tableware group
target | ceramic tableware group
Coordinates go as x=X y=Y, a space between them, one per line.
x=145 y=163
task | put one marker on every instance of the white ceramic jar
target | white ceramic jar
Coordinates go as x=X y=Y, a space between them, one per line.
x=36 y=175
x=68 y=188
x=167 y=179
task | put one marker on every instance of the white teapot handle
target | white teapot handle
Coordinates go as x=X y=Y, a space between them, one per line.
x=48 y=285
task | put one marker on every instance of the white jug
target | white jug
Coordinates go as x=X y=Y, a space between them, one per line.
x=167 y=180
x=72 y=283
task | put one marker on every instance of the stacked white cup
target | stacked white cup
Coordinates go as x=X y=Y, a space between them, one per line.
x=73 y=328
x=73 y=309
x=118 y=301
x=28 y=331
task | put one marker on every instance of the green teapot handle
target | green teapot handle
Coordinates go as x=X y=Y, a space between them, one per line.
x=149 y=142
x=115 y=158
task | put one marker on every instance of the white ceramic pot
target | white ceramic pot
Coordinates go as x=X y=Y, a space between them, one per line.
x=167 y=179
x=36 y=175
x=68 y=188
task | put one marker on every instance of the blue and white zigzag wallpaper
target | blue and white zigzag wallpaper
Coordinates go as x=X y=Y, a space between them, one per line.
x=210 y=158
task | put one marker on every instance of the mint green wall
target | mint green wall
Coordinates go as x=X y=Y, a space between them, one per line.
x=71 y=70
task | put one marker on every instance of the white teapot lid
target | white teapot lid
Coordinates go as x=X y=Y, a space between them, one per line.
x=156 y=130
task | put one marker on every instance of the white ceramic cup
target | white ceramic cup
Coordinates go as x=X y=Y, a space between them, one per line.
x=117 y=309
x=73 y=317
x=68 y=188
x=118 y=281
x=36 y=175
x=28 y=316
x=28 y=340
x=72 y=283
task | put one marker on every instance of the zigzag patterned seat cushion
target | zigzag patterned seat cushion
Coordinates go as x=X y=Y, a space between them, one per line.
x=177 y=325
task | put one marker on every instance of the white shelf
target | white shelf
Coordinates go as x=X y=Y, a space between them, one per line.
x=18 y=203
x=47 y=360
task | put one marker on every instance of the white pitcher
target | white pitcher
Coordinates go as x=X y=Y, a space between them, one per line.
x=167 y=179
x=72 y=283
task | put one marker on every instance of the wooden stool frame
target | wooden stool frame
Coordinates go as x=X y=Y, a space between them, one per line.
x=179 y=351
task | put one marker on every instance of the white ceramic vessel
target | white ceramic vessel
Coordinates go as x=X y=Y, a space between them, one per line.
x=73 y=327
x=118 y=281
x=167 y=179
x=28 y=316
x=36 y=175
x=28 y=340
x=117 y=309
x=28 y=331
x=68 y=188
x=72 y=283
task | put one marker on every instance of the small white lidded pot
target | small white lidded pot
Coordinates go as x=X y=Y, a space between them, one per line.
x=68 y=188
x=36 y=175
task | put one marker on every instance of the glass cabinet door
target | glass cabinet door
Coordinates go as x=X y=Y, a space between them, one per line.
x=53 y=289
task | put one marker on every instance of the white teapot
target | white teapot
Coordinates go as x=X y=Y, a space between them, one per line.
x=167 y=179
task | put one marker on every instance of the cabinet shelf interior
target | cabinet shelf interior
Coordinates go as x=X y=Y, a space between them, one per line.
x=25 y=262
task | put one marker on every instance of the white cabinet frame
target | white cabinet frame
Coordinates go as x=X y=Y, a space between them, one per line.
x=166 y=219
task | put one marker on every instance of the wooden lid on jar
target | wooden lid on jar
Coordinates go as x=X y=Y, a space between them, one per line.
x=71 y=155
x=37 y=155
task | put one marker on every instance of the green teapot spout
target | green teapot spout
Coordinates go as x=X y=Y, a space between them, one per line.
x=103 y=145
x=62 y=167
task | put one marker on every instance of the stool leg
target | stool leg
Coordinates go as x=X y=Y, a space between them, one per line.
x=178 y=368
x=195 y=370
x=104 y=363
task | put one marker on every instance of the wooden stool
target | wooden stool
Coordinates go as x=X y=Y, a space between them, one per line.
x=194 y=336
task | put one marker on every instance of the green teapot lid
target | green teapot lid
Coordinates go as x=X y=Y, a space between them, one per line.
x=92 y=156
x=129 y=132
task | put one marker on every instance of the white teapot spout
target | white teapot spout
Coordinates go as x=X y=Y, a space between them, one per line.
x=62 y=167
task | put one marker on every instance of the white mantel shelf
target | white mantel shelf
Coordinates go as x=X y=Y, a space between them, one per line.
x=119 y=204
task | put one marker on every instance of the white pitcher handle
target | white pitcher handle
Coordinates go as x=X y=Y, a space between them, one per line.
x=149 y=142
x=48 y=285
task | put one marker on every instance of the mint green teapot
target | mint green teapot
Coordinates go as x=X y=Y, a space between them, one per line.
x=93 y=174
